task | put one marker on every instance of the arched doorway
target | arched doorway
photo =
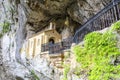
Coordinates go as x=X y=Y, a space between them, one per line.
x=51 y=41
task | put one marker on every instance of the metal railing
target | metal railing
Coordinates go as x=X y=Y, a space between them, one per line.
x=57 y=47
x=101 y=20
x=45 y=47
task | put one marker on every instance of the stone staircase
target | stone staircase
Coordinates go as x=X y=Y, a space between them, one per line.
x=57 y=60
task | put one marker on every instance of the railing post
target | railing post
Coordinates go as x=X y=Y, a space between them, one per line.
x=115 y=11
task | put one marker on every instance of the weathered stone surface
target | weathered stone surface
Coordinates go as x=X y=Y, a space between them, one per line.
x=27 y=17
x=40 y=12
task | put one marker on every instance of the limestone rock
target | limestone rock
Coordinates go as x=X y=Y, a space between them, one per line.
x=26 y=17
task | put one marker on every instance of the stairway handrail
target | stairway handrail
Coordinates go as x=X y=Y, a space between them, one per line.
x=101 y=12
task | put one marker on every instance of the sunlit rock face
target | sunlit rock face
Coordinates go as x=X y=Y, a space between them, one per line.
x=26 y=17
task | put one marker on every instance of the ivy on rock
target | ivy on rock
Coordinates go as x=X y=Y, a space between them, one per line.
x=99 y=53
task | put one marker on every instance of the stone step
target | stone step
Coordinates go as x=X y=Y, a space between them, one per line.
x=56 y=55
x=59 y=66
x=58 y=62
x=59 y=58
x=56 y=59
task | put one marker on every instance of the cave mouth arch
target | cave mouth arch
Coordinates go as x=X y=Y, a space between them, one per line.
x=51 y=41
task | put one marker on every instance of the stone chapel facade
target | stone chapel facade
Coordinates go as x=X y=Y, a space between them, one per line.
x=33 y=47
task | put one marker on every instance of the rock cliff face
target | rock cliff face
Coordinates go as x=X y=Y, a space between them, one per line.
x=19 y=19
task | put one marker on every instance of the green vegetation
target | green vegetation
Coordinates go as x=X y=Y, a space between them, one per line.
x=98 y=55
x=66 y=70
x=34 y=75
x=5 y=28
x=77 y=71
x=116 y=26
x=1 y=35
x=67 y=54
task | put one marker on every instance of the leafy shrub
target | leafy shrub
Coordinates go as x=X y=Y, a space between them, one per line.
x=96 y=55
x=6 y=28
x=116 y=26
x=77 y=71
x=1 y=35
x=34 y=75
x=66 y=70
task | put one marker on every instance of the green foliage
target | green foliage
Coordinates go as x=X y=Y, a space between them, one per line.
x=66 y=55
x=116 y=26
x=34 y=75
x=1 y=35
x=77 y=71
x=97 y=54
x=66 y=70
x=5 y=28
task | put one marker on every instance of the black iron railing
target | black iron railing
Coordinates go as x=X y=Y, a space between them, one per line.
x=57 y=47
x=45 y=47
x=101 y=20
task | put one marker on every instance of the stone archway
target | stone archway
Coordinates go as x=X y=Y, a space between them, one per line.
x=51 y=41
